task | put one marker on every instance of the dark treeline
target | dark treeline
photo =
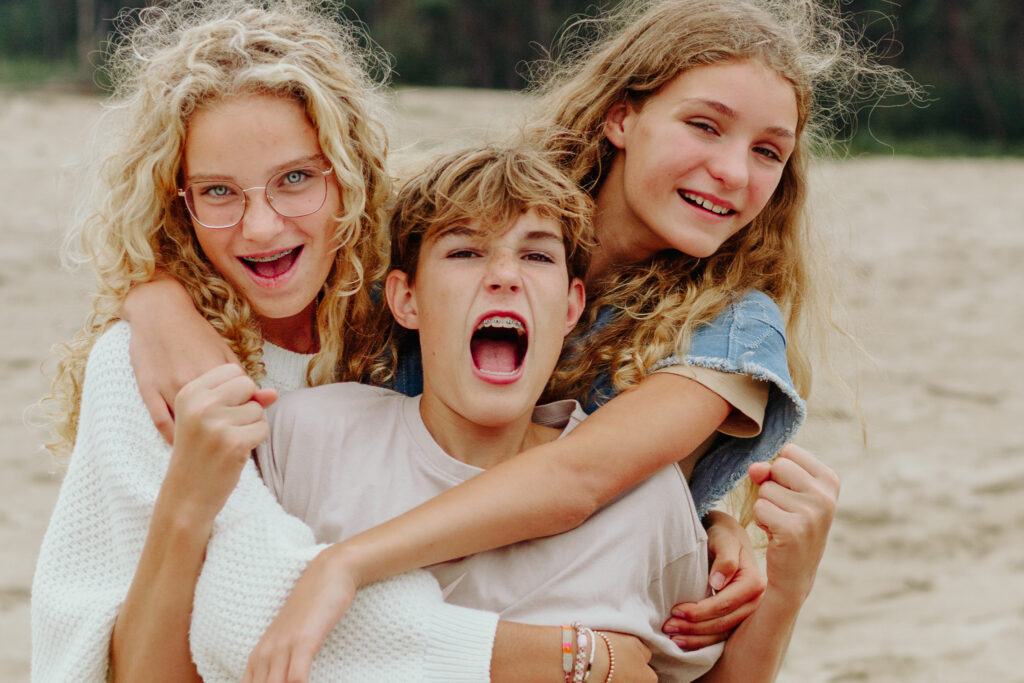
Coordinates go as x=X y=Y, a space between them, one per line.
x=969 y=53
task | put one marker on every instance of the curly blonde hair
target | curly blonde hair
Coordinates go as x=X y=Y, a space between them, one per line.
x=167 y=63
x=490 y=186
x=628 y=56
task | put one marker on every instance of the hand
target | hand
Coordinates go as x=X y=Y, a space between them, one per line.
x=796 y=503
x=632 y=659
x=320 y=598
x=171 y=344
x=736 y=578
x=220 y=421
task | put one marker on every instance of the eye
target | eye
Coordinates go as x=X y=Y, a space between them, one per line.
x=768 y=153
x=296 y=176
x=704 y=126
x=538 y=257
x=216 y=191
x=462 y=253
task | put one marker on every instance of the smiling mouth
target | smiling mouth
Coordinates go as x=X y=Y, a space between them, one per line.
x=273 y=265
x=499 y=345
x=706 y=204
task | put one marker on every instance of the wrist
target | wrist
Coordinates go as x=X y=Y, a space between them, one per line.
x=344 y=559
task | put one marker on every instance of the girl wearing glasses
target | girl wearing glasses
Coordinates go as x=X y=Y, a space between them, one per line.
x=250 y=167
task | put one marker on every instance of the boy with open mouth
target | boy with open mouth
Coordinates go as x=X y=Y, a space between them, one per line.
x=488 y=247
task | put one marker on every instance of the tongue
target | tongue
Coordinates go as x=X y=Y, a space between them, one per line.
x=494 y=355
x=270 y=269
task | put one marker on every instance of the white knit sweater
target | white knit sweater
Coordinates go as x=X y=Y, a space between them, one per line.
x=396 y=630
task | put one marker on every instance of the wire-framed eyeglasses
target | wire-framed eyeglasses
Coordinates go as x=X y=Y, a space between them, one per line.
x=221 y=203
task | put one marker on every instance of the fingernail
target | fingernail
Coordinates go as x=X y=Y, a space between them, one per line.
x=717 y=581
x=669 y=628
x=679 y=614
x=680 y=642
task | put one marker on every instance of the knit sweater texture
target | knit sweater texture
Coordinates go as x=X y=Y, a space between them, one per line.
x=396 y=630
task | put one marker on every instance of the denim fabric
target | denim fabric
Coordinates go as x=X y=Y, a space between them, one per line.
x=748 y=338
x=409 y=370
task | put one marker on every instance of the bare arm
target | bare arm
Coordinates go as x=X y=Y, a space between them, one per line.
x=220 y=421
x=524 y=653
x=171 y=345
x=795 y=507
x=548 y=489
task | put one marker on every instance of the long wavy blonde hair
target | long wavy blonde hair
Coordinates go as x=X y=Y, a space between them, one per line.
x=628 y=56
x=167 y=63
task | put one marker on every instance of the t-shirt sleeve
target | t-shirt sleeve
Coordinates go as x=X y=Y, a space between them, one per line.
x=747 y=396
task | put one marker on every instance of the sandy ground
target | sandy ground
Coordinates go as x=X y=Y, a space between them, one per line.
x=924 y=576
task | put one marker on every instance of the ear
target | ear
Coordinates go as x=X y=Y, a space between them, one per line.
x=577 y=302
x=615 y=124
x=401 y=299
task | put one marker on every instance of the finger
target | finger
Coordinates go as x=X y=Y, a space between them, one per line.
x=278 y=668
x=759 y=472
x=265 y=397
x=782 y=497
x=216 y=376
x=299 y=665
x=711 y=626
x=161 y=415
x=725 y=550
x=734 y=597
x=791 y=474
x=806 y=460
x=251 y=436
x=697 y=642
x=770 y=517
x=235 y=390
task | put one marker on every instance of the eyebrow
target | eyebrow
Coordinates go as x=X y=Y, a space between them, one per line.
x=473 y=233
x=300 y=161
x=726 y=110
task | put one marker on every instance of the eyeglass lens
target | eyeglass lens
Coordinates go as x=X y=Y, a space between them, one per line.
x=221 y=203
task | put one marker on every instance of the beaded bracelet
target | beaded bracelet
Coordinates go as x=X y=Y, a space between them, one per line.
x=584 y=637
x=567 y=633
x=611 y=656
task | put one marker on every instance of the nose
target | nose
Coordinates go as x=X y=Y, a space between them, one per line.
x=260 y=223
x=729 y=165
x=503 y=272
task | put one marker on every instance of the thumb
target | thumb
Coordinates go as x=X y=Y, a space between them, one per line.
x=760 y=472
x=265 y=397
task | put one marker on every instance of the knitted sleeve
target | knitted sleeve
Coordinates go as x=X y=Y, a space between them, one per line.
x=257 y=551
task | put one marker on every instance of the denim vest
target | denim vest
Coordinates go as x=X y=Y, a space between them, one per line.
x=749 y=338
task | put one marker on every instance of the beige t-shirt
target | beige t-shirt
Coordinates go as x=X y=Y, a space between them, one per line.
x=345 y=457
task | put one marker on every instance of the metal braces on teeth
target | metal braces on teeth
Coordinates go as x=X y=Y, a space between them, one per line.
x=507 y=323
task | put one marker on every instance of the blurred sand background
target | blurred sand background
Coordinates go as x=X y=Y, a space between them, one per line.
x=923 y=580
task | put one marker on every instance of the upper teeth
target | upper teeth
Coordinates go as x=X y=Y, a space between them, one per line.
x=706 y=203
x=502 y=321
x=272 y=257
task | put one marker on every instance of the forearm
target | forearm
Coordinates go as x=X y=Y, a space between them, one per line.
x=525 y=653
x=548 y=489
x=755 y=650
x=150 y=639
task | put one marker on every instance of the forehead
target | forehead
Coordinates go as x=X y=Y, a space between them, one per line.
x=248 y=131
x=527 y=226
x=748 y=89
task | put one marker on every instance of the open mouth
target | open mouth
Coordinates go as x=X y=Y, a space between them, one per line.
x=272 y=265
x=498 y=345
x=706 y=204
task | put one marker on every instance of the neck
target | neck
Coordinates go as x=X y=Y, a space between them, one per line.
x=296 y=333
x=480 y=445
x=622 y=239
